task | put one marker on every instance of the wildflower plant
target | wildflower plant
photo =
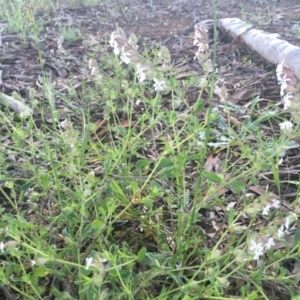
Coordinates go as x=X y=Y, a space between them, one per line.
x=259 y=245
x=289 y=90
x=127 y=49
x=144 y=192
x=203 y=53
x=286 y=127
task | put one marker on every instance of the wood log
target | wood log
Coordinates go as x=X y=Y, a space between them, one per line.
x=268 y=45
x=23 y=110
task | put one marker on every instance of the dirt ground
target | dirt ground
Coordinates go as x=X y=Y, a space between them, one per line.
x=165 y=22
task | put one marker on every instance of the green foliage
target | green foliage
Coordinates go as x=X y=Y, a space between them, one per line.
x=157 y=205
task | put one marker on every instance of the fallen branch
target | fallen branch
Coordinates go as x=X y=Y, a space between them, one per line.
x=275 y=50
x=268 y=45
x=23 y=110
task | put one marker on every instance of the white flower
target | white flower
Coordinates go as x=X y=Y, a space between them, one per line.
x=279 y=71
x=116 y=48
x=257 y=254
x=159 y=85
x=88 y=261
x=24 y=114
x=29 y=192
x=286 y=127
x=266 y=209
x=276 y=203
x=285 y=229
x=125 y=56
x=289 y=219
x=294 y=216
x=140 y=71
x=270 y=243
x=33 y=262
x=280 y=232
x=284 y=85
x=2 y=247
x=287 y=222
x=64 y=124
x=287 y=101
x=197 y=38
x=112 y=39
x=257 y=248
x=200 y=37
x=113 y=43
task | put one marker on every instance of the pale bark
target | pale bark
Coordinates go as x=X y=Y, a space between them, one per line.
x=268 y=45
x=23 y=110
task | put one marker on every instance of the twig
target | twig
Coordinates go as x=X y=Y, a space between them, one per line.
x=122 y=12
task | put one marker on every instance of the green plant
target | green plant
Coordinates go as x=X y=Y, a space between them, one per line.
x=166 y=196
x=69 y=33
x=296 y=30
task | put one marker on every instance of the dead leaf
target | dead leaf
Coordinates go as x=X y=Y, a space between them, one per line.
x=246 y=94
x=213 y=163
x=257 y=189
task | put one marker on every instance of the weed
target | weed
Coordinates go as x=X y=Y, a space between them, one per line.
x=161 y=198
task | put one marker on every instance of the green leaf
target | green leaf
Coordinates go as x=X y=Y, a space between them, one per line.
x=168 y=169
x=297 y=238
x=118 y=192
x=10 y=269
x=231 y=216
x=44 y=181
x=156 y=259
x=257 y=276
x=212 y=177
x=61 y=295
x=142 y=163
x=142 y=253
x=165 y=163
x=96 y=224
x=41 y=271
x=238 y=186
x=199 y=106
x=26 y=186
